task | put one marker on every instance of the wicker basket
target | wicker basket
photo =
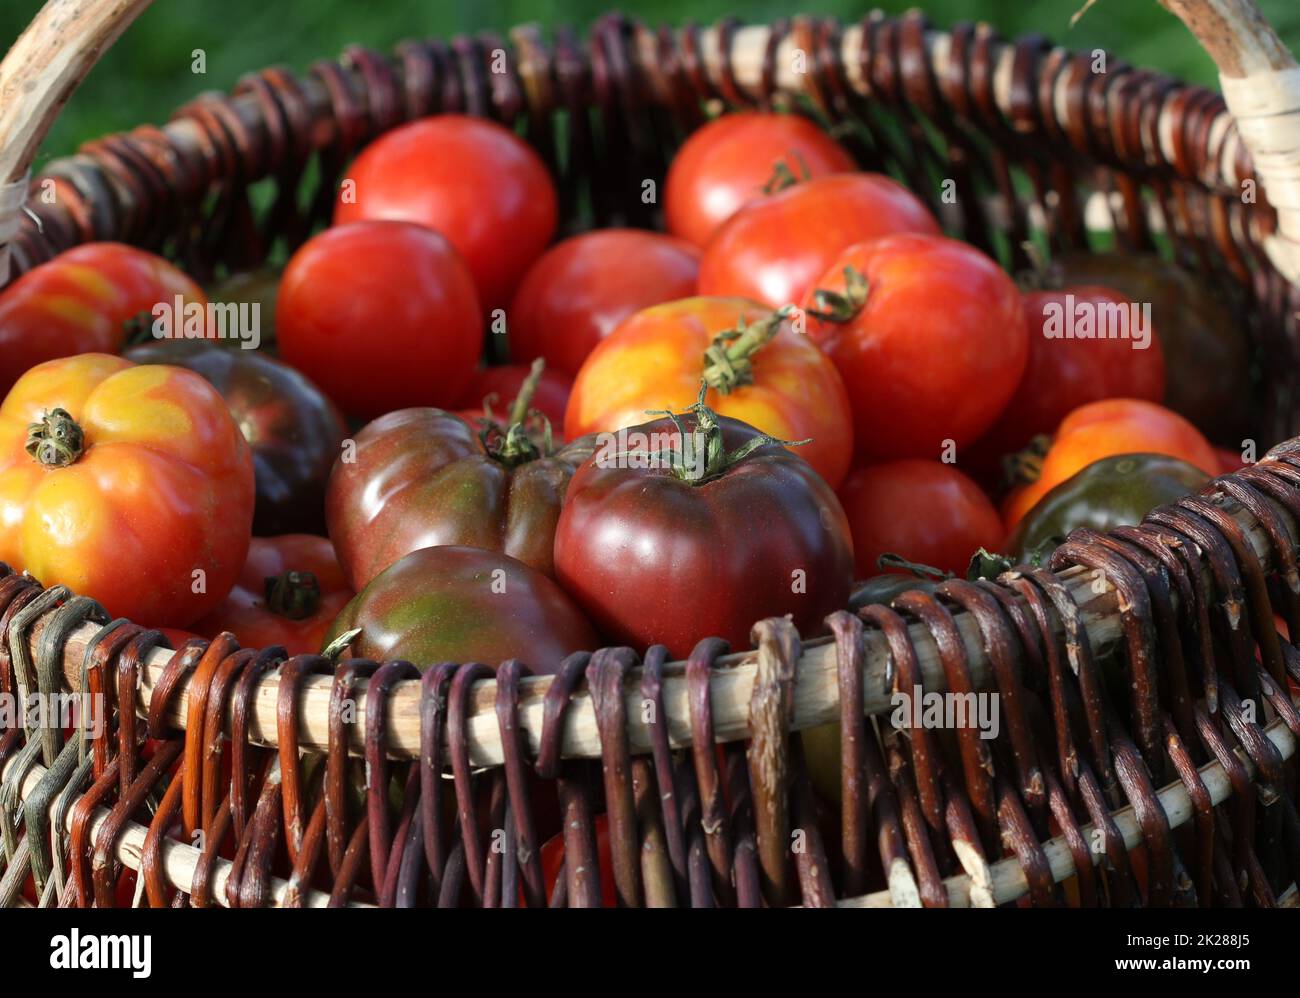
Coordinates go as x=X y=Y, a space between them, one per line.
x=1185 y=795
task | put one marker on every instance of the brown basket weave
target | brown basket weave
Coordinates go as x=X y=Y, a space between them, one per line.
x=1181 y=793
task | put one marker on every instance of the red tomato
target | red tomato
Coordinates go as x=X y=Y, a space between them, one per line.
x=128 y=484
x=502 y=385
x=930 y=342
x=1064 y=373
x=82 y=302
x=381 y=316
x=733 y=159
x=1103 y=429
x=775 y=249
x=552 y=856
x=1229 y=460
x=707 y=544
x=470 y=179
x=576 y=294
x=926 y=511
x=771 y=378
x=289 y=593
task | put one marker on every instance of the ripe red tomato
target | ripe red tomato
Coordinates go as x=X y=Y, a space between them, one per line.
x=1064 y=373
x=83 y=301
x=129 y=484
x=734 y=159
x=1106 y=428
x=733 y=531
x=503 y=384
x=929 y=336
x=777 y=247
x=770 y=377
x=289 y=593
x=552 y=856
x=470 y=179
x=381 y=315
x=1229 y=460
x=926 y=511
x=582 y=288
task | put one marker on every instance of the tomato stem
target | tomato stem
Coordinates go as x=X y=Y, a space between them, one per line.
x=1025 y=467
x=294 y=595
x=842 y=307
x=56 y=441
x=519 y=411
x=510 y=443
x=728 y=362
x=783 y=176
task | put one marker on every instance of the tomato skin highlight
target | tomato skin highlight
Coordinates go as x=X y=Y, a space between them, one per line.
x=775 y=249
x=727 y=163
x=162 y=490
x=247 y=612
x=1104 y=429
x=459 y=604
x=81 y=302
x=380 y=315
x=926 y=511
x=582 y=288
x=654 y=361
x=653 y=558
x=470 y=179
x=934 y=353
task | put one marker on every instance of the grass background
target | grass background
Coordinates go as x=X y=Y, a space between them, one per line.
x=147 y=73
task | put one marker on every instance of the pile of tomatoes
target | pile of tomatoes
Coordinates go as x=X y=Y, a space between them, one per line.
x=686 y=431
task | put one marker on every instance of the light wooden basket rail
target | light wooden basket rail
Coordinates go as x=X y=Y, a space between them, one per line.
x=816 y=688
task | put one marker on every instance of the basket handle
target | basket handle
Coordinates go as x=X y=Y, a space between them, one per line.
x=1261 y=86
x=46 y=64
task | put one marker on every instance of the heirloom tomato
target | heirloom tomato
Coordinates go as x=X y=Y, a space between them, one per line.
x=290 y=592
x=776 y=248
x=1112 y=492
x=85 y=300
x=924 y=511
x=738 y=158
x=698 y=525
x=500 y=387
x=425 y=477
x=129 y=484
x=582 y=288
x=757 y=369
x=472 y=180
x=459 y=604
x=1069 y=367
x=929 y=336
x=1104 y=429
x=295 y=432
x=380 y=315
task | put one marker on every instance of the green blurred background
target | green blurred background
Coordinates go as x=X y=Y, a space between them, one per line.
x=147 y=73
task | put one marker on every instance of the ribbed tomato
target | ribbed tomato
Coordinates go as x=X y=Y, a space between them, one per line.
x=289 y=593
x=738 y=158
x=129 y=484
x=776 y=248
x=83 y=301
x=758 y=370
x=582 y=288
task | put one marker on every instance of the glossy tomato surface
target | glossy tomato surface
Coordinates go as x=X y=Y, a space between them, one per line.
x=295 y=432
x=290 y=591
x=141 y=495
x=582 y=288
x=502 y=384
x=380 y=315
x=83 y=301
x=656 y=358
x=776 y=249
x=470 y=179
x=931 y=348
x=422 y=477
x=1065 y=372
x=738 y=158
x=924 y=511
x=1104 y=429
x=458 y=604
x=657 y=558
